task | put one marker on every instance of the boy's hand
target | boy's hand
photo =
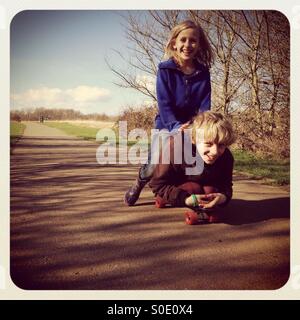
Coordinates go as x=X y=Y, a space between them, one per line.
x=206 y=200
x=202 y=200
x=213 y=200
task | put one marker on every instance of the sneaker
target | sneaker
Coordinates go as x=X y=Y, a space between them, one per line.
x=133 y=193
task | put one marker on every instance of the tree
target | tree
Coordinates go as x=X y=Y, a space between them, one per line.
x=250 y=75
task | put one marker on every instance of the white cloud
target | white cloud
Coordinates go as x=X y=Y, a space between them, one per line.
x=81 y=97
x=51 y=95
x=146 y=80
x=148 y=103
x=88 y=94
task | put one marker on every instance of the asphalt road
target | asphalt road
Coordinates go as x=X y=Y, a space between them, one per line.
x=71 y=230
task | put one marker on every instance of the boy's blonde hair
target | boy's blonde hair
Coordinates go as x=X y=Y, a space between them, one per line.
x=214 y=126
x=204 y=54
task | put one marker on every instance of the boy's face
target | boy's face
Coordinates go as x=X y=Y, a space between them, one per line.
x=210 y=151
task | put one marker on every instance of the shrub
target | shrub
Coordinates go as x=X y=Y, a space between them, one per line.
x=138 y=117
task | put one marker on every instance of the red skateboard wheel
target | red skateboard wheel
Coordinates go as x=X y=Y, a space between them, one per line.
x=191 y=218
x=159 y=203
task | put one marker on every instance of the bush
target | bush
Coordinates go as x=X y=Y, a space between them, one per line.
x=138 y=117
x=266 y=139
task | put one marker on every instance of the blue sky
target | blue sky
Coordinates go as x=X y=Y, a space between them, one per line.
x=58 y=60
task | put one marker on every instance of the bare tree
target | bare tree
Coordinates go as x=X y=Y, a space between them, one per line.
x=226 y=76
x=250 y=75
x=147 y=34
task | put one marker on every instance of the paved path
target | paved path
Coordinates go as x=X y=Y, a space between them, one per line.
x=70 y=229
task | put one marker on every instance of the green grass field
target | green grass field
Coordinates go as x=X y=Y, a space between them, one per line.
x=86 y=133
x=272 y=170
x=16 y=131
x=267 y=169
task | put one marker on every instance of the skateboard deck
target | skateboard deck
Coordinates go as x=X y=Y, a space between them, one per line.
x=200 y=216
x=196 y=215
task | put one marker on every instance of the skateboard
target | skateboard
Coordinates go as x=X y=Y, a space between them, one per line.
x=159 y=203
x=200 y=215
x=197 y=215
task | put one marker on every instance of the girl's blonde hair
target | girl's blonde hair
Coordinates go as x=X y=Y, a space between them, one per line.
x=204 y=54
x=213 y=127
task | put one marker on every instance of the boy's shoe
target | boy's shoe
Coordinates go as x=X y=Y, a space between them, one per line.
x=133 y=193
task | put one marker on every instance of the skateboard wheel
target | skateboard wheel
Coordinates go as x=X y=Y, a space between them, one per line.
x=191 y=218
x=159 y=204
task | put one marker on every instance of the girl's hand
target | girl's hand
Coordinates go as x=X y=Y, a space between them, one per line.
x=206 y=200
x=184 y=126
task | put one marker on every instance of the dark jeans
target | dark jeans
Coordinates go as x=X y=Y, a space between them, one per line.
x=190 y=187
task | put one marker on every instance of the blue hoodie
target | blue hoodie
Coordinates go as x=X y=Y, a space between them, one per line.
x=179 y=96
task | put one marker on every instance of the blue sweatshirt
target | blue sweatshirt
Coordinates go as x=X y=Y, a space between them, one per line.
x=179 y=96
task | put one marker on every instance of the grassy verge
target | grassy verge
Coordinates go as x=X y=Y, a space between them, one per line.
x=16 y=131
x=86 y=133
x=269 y=170
x=273 y=171
x=81 y=131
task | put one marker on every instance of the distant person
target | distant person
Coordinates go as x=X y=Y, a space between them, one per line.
x=182 y=86
x=213 y=186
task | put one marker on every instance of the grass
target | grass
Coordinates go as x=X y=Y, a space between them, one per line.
x=81 y=131
x=269 y=170
x=86 y=133
x=16 y=131
x=273 y=171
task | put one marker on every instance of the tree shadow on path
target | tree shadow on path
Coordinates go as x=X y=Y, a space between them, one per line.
x=240 y=212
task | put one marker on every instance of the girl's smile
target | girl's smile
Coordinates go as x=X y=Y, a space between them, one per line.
x=187 y=44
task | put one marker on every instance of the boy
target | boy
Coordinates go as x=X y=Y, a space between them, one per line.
x=213 y=186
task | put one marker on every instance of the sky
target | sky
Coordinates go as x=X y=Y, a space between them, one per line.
x=57 y=60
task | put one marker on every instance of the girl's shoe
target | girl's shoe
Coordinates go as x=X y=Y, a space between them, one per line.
x=133 y=193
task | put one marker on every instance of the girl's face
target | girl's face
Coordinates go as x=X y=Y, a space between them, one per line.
x=187 y=44
x=210 y=151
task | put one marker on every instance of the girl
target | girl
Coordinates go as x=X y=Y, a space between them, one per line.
x=182 y=86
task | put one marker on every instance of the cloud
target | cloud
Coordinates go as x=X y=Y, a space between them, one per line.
x=146 y=80
x=88 y=94
x=81 y=97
